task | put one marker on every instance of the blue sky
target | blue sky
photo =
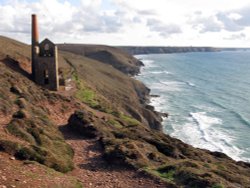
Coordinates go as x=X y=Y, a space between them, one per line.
x=131 y=22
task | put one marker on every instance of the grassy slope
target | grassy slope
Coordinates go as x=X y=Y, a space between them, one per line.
x=125 y=140
x=108 y=55
x=128 y=95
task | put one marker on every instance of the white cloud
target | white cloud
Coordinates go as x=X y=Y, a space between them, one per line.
x=124 y=22
x=234 y=16
x=205 y=23
x=239 y=36
x=165 y=30
x=232 y=20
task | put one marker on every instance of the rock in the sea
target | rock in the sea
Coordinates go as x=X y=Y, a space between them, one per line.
x=164 y=114
x=154 y=95
x=149 y=107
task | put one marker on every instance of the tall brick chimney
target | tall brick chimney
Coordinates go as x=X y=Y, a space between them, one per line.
x=35 y=42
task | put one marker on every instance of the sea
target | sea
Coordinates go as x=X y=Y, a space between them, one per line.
x=207 y=96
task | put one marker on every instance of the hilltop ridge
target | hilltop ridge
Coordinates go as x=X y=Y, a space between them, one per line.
x=136 y=50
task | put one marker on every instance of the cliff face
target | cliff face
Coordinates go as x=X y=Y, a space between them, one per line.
x=134 y=50
x=108 y=55
x=103 y=104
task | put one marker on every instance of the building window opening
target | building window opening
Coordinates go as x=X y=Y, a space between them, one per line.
x=46 y=77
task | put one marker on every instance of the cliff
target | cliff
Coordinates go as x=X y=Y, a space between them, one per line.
x=106 y=54
x=135 y=50
x=100 y=132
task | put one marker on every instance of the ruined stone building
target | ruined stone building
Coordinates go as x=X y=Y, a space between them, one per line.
x=44 y=60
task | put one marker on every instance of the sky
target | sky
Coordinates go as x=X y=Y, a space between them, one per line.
x=217 y=23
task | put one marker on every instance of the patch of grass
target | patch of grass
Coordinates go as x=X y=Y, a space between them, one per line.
x=129 y=120
x=167 y=176
x=17 y=129
x=114 y=123
x=84 y=93
x=59 y=160
x=34 y=154
x=103 y=107
x=47 y=145
x=20 y=102
x=2 y=96
x=206 y=165
x=217 y=186
x=77 y=184
x=167 y=172
x=221 y=167
x=32 y=175
x=87 y=96
x=9 y=146
x=115 y=113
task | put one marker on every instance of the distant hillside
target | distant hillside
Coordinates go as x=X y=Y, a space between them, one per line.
x=100 y=132
x=135 y=50
x=106 y=54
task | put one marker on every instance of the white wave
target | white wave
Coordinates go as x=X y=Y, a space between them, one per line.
x=203 y=131
x=158 y=103
x=205 y=121
x=149 y=63
x=168 y=86
x=206 y=108
x=190 y=84
x=159 y=72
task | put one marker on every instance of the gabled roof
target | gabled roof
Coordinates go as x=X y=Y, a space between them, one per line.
x=47 y=41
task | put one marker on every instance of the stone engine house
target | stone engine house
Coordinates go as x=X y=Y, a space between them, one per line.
x=44 y=60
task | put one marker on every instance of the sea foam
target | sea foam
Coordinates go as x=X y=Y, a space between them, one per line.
x=202 y=131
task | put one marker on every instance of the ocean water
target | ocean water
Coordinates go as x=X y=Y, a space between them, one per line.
x=207 y=96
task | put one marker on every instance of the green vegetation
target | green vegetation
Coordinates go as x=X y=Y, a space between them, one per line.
x=220 y=167
x=114 y=123
x=16 y=128
x=167 y=172
x=206 y=165
x=129 y=120
x=5 y=101
x=20 y=102
x=9 y=146
x=168 y=175
x=77 y=184
x=217 y=186
x=84 y=93
x=87 y=96
x=46 y=144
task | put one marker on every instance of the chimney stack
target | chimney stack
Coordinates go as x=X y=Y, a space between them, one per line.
x=35 y=34
x=34 y=43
